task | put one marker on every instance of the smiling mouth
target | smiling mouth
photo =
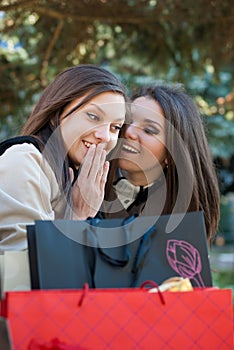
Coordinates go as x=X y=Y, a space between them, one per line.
x=130 y=149
x=87 y=144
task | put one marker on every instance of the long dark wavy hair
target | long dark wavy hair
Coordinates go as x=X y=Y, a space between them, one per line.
x=84 y=80
x=183 y=117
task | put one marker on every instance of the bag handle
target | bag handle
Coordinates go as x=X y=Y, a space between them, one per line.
x=83 y=295
x=139 y=259
x=115 y=262
x=85 y=290
x=143 y=249
x=110 y=260
x=155 y=285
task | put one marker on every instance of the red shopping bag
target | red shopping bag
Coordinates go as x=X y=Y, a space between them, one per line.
x=120 y=319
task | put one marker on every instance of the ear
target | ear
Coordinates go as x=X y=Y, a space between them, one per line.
x=166 y=161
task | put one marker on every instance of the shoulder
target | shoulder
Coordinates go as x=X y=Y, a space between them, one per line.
x=18 y=140
x=24 y=164
x=18 y=154
x=23 y=156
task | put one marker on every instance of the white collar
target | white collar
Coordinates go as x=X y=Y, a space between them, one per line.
x=126 y=191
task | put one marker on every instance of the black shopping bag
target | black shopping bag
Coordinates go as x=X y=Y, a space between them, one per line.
x=118 y=253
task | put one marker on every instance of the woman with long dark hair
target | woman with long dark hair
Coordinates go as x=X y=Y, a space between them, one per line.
x=57 y=168
x=163 y=164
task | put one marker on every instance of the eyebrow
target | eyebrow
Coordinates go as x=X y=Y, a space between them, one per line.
x=91 y=104
x=153 y=122
x=103 y=112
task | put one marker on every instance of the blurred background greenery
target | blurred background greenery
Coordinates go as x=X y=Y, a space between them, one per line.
x=191 y=42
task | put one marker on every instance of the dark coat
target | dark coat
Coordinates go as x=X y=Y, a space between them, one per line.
x=149 y=202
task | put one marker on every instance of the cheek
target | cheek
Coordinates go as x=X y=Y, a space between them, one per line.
x=160 y=152
x=70 y=134
x=130 y=165
x=155 y=151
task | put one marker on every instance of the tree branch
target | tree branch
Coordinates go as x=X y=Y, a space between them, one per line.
x=122 y=18
x=48 y=52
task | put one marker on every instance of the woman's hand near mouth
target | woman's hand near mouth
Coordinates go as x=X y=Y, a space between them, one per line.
x=88 y=190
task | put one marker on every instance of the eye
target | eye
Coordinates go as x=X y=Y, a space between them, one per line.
x=116 y=127
x=93 y=116
x=151 y=131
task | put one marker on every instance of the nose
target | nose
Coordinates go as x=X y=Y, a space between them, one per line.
x=132 y=131
x=103 y=133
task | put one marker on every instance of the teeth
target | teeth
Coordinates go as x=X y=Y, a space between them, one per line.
x=87 y=144
x=129 y=149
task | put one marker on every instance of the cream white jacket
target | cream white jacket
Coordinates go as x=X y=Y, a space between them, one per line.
x=28 y=191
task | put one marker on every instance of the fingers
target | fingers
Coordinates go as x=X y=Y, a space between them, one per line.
x=87 y=161
x=104 y=175
x=96 y=170
x=88 y=192
x=94 y=162
x=99 y=167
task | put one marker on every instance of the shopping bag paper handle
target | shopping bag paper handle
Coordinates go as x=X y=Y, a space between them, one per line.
x=155 y=285
x=83 y=294
x=85 y=290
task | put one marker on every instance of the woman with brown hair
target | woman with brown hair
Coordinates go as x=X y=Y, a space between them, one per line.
x=163 y=164
x=57 y=168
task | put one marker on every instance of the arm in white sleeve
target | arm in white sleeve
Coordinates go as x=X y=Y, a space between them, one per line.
x=28 y=192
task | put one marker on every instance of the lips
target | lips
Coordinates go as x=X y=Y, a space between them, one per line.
x=87 y=144
x=129 y=149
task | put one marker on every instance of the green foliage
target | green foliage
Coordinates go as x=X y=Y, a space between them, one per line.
x=224 y=279
x=140 y=40
x=187 y=41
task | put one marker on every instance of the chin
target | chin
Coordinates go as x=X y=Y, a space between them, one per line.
x=128 y=165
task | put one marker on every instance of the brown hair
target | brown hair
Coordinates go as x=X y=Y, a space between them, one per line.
x=184 y=118
x=84 y=80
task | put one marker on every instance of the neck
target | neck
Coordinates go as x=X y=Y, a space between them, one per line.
x=143 y=178
x=139 y=179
